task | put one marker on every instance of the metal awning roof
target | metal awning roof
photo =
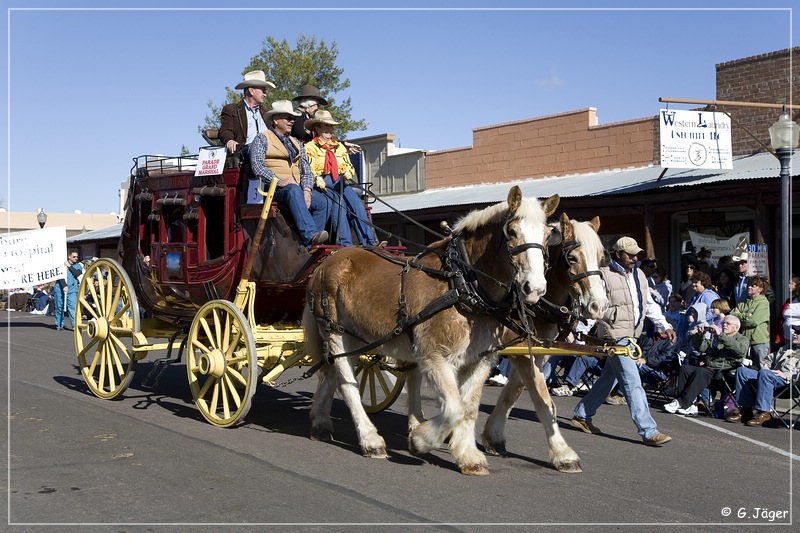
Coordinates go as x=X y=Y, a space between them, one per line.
x=758 y=166
x=109 y=232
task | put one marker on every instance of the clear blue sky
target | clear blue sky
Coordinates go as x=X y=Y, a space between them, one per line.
x=87 y=90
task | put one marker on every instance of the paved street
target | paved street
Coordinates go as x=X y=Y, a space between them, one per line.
x=149 y=462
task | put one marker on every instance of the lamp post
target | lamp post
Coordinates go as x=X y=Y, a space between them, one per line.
x=41 y=217
x=784 y=136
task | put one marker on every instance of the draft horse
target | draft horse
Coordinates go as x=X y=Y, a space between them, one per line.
x=574 y=277
x=445 y=310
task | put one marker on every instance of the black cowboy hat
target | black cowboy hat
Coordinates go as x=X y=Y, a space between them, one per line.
x=309 y=92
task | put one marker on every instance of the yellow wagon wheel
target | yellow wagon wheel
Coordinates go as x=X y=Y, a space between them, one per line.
x=103 y=339
x=379 y=382
x=222 y=363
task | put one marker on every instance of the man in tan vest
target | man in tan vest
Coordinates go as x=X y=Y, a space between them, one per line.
x=275 y=154
x=631 y=302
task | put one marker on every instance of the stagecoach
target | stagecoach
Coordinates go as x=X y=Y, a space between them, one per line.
x=209 y=268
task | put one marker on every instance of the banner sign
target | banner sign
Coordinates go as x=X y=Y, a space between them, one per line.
x=211 y=161
x=757 y=264
x=29 y=258
x=719 y=246
x=695 y=139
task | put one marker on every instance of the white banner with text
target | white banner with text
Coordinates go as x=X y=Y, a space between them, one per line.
x=29 y=258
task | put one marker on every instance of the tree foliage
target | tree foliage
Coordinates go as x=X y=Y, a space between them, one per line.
x=308 y=63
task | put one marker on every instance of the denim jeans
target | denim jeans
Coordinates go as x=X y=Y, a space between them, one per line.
x=579 y=368
x=72 y=303
x=58 y=307
x=765 y=381
x=309 y=221
x=758 y=352
x=352 y=208
x=626 y=371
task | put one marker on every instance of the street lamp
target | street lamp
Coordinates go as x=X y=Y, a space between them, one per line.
x=41 y=218
x=784 y=136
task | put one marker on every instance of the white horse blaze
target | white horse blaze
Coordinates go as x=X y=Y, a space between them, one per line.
x=532 y=281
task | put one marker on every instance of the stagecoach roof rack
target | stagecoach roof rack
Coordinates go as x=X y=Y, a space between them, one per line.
x=163 y=164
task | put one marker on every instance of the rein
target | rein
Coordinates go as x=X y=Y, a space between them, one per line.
x=464 y=291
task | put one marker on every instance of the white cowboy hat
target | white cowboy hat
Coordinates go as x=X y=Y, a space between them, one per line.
x=320 y=117
x=741 y=257
x=281 y=107
x=255 y=78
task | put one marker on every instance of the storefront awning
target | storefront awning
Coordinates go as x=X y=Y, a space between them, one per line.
x=759 y=166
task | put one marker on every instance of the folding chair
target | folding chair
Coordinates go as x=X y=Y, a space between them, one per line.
x=790 y=391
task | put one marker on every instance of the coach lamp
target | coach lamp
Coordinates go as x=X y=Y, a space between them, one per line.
x=41 y=217
x=784 y=137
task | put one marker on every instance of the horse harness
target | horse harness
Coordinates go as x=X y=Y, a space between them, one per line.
x=464 y=291
x=565 y=318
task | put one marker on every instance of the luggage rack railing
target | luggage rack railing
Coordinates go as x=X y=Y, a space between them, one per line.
x=162 y=164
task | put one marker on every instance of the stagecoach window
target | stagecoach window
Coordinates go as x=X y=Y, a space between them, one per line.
x=176 y=227
x=213 y=221
x=146 y=227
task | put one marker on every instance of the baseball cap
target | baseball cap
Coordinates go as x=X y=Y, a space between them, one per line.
x=628 y=245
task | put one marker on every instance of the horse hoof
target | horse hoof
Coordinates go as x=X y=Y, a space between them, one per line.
x=474 y=470
x=375 y=453
x=498 y=448
x=417 y=446
x=321 y=434
x=570 y=467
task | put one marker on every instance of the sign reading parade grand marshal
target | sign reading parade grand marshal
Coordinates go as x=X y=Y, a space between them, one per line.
x=29 y=258
x=695 y=139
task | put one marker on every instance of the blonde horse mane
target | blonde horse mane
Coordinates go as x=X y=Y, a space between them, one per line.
x=590 y=242
x=529 y=209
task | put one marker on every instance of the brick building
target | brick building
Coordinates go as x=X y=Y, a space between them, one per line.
x=561 y=152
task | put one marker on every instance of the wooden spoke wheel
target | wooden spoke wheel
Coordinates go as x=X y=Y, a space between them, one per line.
x=222 y=363
x=104 y=338
x=379 y=382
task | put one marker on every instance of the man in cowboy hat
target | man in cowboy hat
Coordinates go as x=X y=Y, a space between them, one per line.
x=275 y=154
x=242 y=121
x=307 y=103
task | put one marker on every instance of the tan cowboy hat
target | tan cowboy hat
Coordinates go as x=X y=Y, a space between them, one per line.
x=281 y=107
x=309 y=92
x=320 y=117
x=255 y=78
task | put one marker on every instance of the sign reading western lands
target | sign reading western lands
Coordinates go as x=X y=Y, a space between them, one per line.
x=695 y=139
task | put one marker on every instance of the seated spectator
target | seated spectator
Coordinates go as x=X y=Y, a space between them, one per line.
x=693 y=324
x=789 y=314
x=275 y=154
x=777 y=369
x=574 y=376
x=334 y=174
x=661 y=288
x=41 y=297
x=675 y=310
x=18 y=299
x=503 y=368
x=724 y=350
